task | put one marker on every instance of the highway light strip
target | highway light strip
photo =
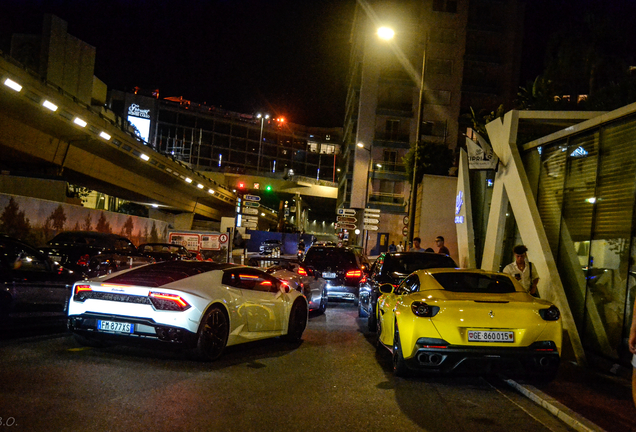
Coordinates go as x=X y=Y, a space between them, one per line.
x=78 y=121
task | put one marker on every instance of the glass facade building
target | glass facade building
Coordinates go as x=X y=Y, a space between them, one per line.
x=584 y=184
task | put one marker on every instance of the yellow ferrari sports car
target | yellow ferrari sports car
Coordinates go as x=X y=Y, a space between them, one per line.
x=457 y=320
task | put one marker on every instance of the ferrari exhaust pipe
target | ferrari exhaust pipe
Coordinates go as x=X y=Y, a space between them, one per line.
x=427 y=359
x=435 y=359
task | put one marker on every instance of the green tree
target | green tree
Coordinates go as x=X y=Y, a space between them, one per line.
x=14 y=222
x=432 y=158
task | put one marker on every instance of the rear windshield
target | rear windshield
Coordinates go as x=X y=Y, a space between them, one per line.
x=155 y=275
x=475 y=283
x=329 y=255
x=407 y=264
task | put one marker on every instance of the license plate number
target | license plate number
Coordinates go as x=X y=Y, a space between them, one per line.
x=113 y=326
x=329 y=275
x=490 y=336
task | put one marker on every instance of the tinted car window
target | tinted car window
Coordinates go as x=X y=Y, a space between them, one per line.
x=475 y=283
x=334 y=256
x=407 y=264
x=410 y=285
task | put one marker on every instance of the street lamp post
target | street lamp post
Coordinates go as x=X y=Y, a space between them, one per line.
x=260 y=140
x=388 y=34
x=365 y=239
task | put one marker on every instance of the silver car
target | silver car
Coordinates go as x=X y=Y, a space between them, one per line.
x=304 y=280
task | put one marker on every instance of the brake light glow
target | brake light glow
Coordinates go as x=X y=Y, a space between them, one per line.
x=354 y=274
x=302 y=271
x=82 y=292
x=80 y=288
x=83 y=260
x=164 y=301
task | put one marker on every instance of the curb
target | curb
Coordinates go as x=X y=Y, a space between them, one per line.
x=563 y=413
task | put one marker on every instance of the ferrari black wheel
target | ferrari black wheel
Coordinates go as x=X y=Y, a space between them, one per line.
x=213 y=333
x=399 y=365
x=297 y=322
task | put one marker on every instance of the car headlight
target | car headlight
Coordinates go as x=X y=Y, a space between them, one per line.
x=423 y=310
x=550 y=314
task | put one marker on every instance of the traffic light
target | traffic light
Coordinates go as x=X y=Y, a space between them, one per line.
x=268 y=188
x=241 y=185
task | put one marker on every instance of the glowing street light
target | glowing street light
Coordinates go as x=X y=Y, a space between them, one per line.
x=385 y=33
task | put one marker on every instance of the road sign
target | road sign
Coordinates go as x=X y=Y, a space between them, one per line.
x=371 y=221
x=405 y=231
x=250 y=211
x=345 y=212
x=370 y=227
x=251 y=204
x=251 y=197
x=250 y=218
x=250 y=225
x=345 y=225
x=347 y=219
x=370 y=210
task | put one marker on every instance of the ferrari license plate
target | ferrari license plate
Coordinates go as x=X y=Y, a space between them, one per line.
x=113 y=326
x=490 y=336
x=329 y=275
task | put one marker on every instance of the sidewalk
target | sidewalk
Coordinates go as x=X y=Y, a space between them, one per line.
x=587 y=398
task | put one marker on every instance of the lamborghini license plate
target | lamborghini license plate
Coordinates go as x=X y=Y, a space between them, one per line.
x=113 y=326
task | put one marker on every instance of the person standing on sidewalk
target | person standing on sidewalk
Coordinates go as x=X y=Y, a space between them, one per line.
x=523 y=270
x=439 y=241
x=632 y=349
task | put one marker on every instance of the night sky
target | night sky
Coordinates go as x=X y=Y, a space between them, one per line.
x=285 y=57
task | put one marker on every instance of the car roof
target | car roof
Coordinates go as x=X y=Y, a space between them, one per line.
x=158 y=274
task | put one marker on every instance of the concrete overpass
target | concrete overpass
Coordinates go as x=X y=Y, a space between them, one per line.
x=47 y=132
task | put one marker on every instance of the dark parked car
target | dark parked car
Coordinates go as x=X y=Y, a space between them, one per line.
x=270 y=247
x=94 y=253
x=31 y=282
x=392 y=268
x=343 y=269
x=166 y=251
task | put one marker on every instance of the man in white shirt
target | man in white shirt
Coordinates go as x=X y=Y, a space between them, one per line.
x=523 y=270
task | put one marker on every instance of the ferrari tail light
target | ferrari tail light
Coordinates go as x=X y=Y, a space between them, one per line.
x=423 y=310
x=354 y=274
x=170 y=302
x=550 y=314
x=83 y=260
x=302 y=271
x=81 y=292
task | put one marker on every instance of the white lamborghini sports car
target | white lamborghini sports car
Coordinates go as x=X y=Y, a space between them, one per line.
x=198 y=305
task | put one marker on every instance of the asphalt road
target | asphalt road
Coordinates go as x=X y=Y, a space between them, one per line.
x=335 y=380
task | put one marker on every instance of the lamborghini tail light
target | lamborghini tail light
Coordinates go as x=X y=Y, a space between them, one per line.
x=302 y=271
x=81 y=292
x=168 y=302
